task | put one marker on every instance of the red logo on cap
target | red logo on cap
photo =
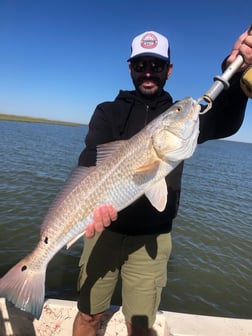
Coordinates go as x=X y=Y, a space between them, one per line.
x=149 y=41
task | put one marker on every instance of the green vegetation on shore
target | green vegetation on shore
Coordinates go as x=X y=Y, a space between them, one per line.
x=13 y=117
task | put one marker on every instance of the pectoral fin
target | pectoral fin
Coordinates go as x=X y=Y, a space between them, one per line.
x=157 y=195
x=150 y=166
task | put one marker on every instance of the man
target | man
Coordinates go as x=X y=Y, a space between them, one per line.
x=137 y=243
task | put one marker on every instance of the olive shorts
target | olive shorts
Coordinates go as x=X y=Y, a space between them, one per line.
x=142 y=263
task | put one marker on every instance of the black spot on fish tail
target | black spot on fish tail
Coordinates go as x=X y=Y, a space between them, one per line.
x=24 y=268
x=46 y=240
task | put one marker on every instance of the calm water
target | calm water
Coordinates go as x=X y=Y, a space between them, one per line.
x=210 y=271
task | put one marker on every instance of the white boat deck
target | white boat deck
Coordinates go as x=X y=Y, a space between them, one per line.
x=58 y=316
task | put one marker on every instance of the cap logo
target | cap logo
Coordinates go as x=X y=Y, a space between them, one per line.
x=149 y=41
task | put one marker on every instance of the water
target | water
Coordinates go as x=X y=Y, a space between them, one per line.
x=210 y=270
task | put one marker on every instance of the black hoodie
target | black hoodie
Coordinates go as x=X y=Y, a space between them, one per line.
x=128 y=114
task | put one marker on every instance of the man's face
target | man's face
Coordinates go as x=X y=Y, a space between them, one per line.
x=149 y=74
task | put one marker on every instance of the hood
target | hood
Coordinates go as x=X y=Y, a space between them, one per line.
x=133 y=97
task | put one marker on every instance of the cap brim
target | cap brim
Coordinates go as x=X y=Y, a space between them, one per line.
x=167 y=59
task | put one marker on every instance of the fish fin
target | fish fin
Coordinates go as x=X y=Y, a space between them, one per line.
x=150 y=166
x=105 y=150
x=72 y=241
x=143 y=174
x=157 y=195
x=74 y=179
x=24 y=287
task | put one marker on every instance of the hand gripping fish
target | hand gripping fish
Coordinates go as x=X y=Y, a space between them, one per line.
x=125 y=170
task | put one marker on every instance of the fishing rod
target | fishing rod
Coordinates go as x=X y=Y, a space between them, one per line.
x=220 y=83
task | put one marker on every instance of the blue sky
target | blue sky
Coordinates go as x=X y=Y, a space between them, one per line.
x=59 y=58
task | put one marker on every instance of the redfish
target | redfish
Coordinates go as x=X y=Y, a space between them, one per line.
x=125 y=170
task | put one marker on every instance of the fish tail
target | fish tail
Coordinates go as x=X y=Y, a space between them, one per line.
x=24 y=286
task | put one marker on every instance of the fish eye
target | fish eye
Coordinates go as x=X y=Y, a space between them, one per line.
x=179 y=109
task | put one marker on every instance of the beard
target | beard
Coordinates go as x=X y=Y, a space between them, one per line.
x=149 y=87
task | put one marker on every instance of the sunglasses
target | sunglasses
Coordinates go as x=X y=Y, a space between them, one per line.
x=153 y=66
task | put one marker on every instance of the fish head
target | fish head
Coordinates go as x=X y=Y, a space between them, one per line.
x=175 y=132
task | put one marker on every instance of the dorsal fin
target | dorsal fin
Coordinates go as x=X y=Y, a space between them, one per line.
x=105 y=150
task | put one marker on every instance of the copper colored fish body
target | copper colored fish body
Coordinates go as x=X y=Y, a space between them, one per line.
x=125 y=170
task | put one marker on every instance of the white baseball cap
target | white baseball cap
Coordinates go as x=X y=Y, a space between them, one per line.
x=150 y=43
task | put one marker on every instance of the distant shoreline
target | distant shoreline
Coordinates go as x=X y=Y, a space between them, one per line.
x=14 y=117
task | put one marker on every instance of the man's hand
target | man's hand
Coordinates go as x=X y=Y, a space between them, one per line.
x=242 y=46
x=103 y=216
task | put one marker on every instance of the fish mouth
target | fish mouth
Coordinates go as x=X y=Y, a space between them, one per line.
x=195 y=109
